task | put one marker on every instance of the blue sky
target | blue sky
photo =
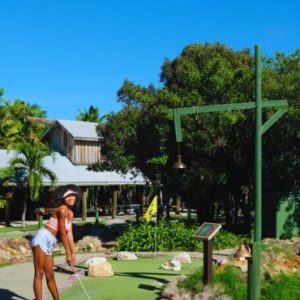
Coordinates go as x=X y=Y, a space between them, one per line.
x=68 y=55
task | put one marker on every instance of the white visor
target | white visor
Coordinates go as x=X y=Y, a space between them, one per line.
x=69 y=192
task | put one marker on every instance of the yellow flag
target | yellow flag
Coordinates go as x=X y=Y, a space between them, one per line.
x=152 y=210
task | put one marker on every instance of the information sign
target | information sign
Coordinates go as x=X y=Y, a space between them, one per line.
x=207 y=231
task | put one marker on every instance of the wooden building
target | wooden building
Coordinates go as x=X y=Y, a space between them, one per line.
x=76 y=140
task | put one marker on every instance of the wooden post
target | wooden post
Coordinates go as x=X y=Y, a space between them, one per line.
x=177 y=203
x=168 y=212
x=207 y=275
x=114 y=204
x=9 y=196
x=142 y=202
x=84 y=203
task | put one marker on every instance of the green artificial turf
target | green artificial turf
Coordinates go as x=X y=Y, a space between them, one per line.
x=141 y=279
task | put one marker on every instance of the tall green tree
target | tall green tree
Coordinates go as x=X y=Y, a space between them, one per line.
x=14 y=127
x=28 y=168
x=218 y=148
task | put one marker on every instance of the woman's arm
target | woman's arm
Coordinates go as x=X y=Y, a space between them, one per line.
x=62 y=216
x=71 y=239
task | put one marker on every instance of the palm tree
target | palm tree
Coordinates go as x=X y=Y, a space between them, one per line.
x=29 y=169
x=14 y=127
x=90 y=115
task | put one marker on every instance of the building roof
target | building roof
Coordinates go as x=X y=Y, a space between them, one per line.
x=67 y=173
x=80 y=129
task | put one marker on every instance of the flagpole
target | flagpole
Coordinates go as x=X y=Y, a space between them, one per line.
x=155 y=236
x=153 y=211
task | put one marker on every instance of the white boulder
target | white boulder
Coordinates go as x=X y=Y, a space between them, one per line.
x=183 y=257
x=102 y=270
x=95 y=261
x=173 y=265
x=124 y=255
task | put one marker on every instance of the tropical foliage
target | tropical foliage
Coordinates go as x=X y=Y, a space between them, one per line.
x=90 y=115
x=218 y=148
x=170 y=236
x=27 y=170
x=14 y=127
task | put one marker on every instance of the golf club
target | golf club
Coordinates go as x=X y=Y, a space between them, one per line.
x=76 y=274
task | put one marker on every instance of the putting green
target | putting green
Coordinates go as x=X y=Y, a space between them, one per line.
x=141 y=279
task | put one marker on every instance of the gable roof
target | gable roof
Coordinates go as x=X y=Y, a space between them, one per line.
x=67 y=173
x=79 y=130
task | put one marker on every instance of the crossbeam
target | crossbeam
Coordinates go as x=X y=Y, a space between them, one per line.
x=282 y=104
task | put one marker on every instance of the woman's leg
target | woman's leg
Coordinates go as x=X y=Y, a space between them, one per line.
x=39 y=261
x=50 y=277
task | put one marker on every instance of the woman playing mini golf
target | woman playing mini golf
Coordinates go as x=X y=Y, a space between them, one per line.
x=44 y=241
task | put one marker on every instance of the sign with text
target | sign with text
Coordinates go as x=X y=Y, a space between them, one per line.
x=207 y=231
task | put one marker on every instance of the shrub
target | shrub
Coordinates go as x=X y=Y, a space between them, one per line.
x=282 y=286
x=225 y=240
x=193 y=283
x=171 y=236
x=232 y=282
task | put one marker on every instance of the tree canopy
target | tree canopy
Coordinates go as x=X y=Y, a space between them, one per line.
x=90 y=115
x=14 y=127
x=218 y=148
x=17 y=133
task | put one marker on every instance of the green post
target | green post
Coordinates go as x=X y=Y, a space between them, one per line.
x=254 y=267
x=97 y=215
x=114 y=204
x=40 y=214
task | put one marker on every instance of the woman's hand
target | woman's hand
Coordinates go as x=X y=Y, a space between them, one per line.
x=70 y=259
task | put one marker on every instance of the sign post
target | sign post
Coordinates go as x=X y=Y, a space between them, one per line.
x=206 y=232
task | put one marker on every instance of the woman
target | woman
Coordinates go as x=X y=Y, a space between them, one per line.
x=44 y=241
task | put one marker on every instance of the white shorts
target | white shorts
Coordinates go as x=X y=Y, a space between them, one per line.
x=45 y=239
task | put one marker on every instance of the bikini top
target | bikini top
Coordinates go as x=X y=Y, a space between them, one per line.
x=53 y=224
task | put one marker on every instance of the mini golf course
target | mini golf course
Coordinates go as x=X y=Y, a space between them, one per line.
x=140 y=279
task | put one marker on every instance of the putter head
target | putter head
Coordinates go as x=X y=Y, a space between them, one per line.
x=64 y=268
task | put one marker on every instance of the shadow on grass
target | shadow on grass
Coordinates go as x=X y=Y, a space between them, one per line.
x=149 y=276
x=104 y=233
x=146 y=276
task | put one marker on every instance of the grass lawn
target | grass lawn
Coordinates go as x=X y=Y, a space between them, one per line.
x=18 y=228
x=135 y=280
x=17 y=231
